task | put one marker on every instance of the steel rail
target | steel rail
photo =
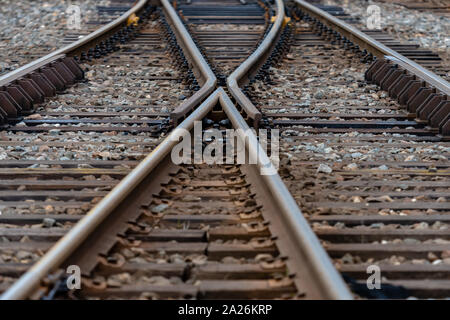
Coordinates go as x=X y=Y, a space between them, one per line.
x=67 y=244
x=197 y=62
x=22 y=288
x=250 y=66
x=297 y=228
x=59 y=53
x=373 y=46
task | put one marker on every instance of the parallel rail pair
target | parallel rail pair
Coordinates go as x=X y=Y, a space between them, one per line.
x=300 y=239
x=296 y=238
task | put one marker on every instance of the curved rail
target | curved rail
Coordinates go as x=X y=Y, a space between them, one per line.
x=304 y=245
x=202 y=71
x=296 y=230
x=66 y=245
x=250 y=66
x=373 y=46
x=75 y=46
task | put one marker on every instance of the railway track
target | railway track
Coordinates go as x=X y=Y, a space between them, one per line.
x=59 y=161
x=226 y=31
x=437 y=62
x=366 y=167
x=192 y=231
x=370 y=176
x=437 y=7
x=50 y=32
x=214 y=225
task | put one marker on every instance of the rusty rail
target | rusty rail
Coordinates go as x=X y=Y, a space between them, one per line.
x=424 y=93
x=373 y=46
x=294 y=233
x=24 y=88
x=250 y=67
x=197 y=63
x=66 y=245
x=292 y=230
x=75 y=46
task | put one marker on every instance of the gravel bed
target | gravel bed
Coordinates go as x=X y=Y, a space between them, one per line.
x=310 y=82
x=425 y=28
x=338 y=153
x=29 y=29
x=314 y=84
x=108 y=88
x=338 y=174
x=432 y=259
x=21 y=256
x=229 y=27
x=226 y=67
x=44 y=209
x=153 y=96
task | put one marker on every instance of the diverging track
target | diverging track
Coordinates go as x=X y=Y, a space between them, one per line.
x=192 y=230
x=366 y=169
x=227 y=231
